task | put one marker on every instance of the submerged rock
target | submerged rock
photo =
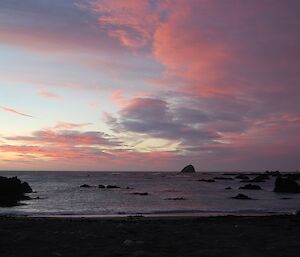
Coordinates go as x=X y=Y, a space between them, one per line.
x=12 y=190
x=251 y=187
x=188 y=169
x=241 y=197
x=206 y=180
x=286 y=185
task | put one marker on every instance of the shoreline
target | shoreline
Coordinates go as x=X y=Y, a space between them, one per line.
x=163 y=215
x=245 y=236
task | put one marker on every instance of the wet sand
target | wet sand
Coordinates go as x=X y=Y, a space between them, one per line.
x=137 y=237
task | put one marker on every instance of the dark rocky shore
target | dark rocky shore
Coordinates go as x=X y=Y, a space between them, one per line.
x=186 y=237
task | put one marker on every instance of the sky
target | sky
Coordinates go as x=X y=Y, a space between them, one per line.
x=149 y=85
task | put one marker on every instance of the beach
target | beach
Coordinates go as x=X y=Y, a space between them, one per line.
x=151 y=236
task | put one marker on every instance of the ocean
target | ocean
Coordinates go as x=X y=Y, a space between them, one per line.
x=169 y=193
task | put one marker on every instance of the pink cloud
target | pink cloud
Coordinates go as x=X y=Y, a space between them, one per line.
x=67 y=125
x=132 y=22
x=6 y=109
x=48 y=94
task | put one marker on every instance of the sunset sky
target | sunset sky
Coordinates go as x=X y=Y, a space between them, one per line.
x=149 y=84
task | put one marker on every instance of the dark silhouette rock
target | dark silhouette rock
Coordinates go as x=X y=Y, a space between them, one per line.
x=101 y=186
x=240 y=176
x=223 y=178
x=112 y=186
x=262 y=177
x=137 y=193
x=12 y=190
x=176 y=199
x=188 y=169
x=228 y=188
x=251 y=187
x=206 y=180
x=242 y=197
x=286 y=185
x=26 y=188
x=85 y=186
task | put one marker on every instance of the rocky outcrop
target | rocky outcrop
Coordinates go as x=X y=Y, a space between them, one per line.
x=188 y=169
x=286 y=185
x=13 y=190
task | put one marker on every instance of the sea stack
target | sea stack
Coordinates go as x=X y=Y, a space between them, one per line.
x=188 y=169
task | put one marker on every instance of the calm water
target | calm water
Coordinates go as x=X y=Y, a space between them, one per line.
x=61 y=195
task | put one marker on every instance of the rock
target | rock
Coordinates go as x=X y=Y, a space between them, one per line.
x=101 y=186
x=26 y=188
x=206 y=180
x=228 y=188
x=137 y=193
x=12 y=190
x=241 y=197
x=176 y=199
x=251 y=187
x=112 y=186
x=240 y=176
x=188 y=169
x=262 y=177
x=223 y=178
x=85 y=186
x=286 y=185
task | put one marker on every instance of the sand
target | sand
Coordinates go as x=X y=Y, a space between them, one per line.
x=137 y=237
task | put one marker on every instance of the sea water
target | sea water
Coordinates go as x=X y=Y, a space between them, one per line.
x=60 y=194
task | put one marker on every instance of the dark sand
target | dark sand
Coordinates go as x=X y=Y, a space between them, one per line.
x=201 y=237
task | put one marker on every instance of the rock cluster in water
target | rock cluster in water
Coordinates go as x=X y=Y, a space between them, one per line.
x=13 y=190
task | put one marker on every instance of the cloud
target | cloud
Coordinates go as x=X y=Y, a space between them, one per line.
x=131 y=22
x=48 y=94
x=57 y=30
x=67 y=137
x=6 y=109
x=154 y=118
x=68 y=125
